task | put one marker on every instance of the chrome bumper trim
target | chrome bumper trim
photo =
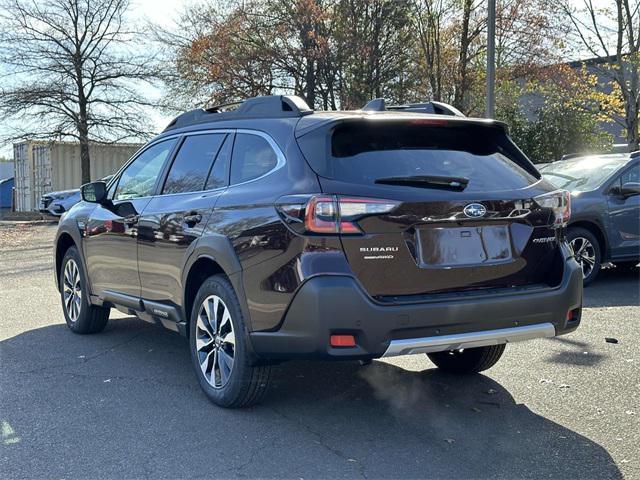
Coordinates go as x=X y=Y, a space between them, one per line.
x=469 y=340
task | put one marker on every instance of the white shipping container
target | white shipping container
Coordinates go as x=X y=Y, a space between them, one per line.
x=43 y=167
x=22 y=174
x=41 y=170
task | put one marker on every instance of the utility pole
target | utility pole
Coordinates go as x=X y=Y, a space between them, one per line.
x=491 y=59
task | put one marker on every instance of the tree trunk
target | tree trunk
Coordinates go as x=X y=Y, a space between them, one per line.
x=461 y=87
x=308 y=48
x=310 y=81
x=83 y=136
x=632 y=109
x=633 y=137
x=85 y=162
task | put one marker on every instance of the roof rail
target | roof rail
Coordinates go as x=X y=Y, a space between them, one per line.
x=438 y=108
x=222 y=107
x=269 y=106
x=375 y=105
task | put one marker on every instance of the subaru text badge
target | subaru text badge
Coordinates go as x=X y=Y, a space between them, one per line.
x=475 y=210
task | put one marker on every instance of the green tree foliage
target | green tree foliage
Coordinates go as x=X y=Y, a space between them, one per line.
x=547 y=120
x=558 y=131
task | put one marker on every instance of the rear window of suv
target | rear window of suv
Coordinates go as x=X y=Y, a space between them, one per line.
x=363 y=151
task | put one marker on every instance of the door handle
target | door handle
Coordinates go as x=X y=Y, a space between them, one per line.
x=192 y=219
x=131 y=219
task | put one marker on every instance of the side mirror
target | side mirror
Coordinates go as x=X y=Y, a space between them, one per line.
x=94 y=192
x=629 y=189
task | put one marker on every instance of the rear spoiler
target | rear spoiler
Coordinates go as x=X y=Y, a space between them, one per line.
x=432 y=107
x=311 y=122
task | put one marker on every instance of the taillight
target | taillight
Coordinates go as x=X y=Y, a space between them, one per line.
x=559 y=202
x=330 y=214
x=321 y=215
x=352 y=209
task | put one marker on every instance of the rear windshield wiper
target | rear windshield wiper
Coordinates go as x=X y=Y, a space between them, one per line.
x=427 y=181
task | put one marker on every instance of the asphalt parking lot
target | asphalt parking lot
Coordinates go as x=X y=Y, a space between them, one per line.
x=125 y=404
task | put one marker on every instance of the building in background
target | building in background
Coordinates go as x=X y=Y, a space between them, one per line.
x=600 y=68
x=6 y=169
x=43 y=167
x=6 y=192
x=530 y=102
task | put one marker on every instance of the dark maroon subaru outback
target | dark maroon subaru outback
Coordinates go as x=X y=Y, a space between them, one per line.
x=273 y=232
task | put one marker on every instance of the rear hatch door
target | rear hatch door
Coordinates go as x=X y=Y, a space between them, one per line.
x=465 y=218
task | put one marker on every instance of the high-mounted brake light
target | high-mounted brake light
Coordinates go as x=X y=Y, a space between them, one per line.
x=560 y=202
x=330 y=214
x=430 y=121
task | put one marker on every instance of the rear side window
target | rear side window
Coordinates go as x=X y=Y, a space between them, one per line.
x=192 y=164
x=252 y=158
x=364 y=151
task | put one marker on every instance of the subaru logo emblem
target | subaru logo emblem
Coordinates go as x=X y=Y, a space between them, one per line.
x=475 y=210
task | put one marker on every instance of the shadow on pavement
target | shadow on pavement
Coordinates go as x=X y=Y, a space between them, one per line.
x=615 y=287
x=576 y=353
x=126 y=404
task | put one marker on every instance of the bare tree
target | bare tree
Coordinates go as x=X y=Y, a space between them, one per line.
x=70 y=70
x=218 y=54
x=473 y=24
x=430 y=18
x=614 y=37
x=529 y=34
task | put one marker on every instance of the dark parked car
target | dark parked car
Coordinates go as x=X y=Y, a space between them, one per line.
x=605 y=208
x=56 y=203
x=273 y=232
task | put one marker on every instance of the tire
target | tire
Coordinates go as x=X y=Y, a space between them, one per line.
x=587 y=252
x=218 y=340
x=470 y=360
x=80 y=315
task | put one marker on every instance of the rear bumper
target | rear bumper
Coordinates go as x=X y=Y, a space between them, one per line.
x=327 y=305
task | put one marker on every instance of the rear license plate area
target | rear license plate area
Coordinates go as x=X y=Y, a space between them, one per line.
x=464 y=246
